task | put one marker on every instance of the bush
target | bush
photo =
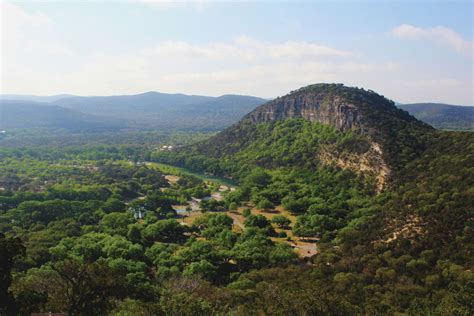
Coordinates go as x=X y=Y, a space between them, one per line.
x=281 y=221
x=265 y=204
x=233 y=206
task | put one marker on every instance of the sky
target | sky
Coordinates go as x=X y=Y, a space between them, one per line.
x=409 y=51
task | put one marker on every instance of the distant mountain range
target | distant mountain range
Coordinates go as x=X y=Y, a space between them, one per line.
x=162 y=110
x=28 y=114
x=154 y=110
x=34 y=98
x=442 y=116
x=151 y=110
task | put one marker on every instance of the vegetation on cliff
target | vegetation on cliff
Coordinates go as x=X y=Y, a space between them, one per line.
x=102 y=234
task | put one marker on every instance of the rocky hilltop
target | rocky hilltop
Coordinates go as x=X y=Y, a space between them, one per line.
x=313 y=106
x=387 y=137
x=345 y=108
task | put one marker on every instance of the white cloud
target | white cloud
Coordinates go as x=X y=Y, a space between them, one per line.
x=36 y=60
x=440 y=34
x=166 y=4
x=247 y=49
x=15 y=24
x=15 y=17
x=243 y=65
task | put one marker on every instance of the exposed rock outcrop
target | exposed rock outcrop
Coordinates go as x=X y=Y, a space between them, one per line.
x=363 y=112
x=313 y=106
x=370 y=163
x=320 y=103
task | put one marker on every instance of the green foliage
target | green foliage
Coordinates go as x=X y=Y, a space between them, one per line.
x=281 y=221
x=212 y=205
x=265 y=204
x=10 y=249
x=233 y=206
x=117 y=223
x=164 y=231
x=442 y=116
x=258 y=221
x=407 y=250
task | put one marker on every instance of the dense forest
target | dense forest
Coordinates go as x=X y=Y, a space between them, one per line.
x=145 y=111
x=276 y=211
x=443 y=116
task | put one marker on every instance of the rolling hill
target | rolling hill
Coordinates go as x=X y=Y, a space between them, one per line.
x=442 y=116
x=119 y=105
x=154 y=110
x=374 y=128
x=28 y=114
x=161 y=110
x=387 y=197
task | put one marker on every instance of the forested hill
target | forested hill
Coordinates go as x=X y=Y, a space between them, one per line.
x=344 y=205
x=162 y=110
x=118 y=104
x=389 y=197
x=364 y=132
x=28 y=114
x=443 y=116
x=151 y=110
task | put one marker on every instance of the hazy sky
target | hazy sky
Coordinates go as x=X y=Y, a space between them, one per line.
x=409 y=51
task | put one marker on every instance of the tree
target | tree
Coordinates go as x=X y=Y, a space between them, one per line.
x=10 y=249
x=233 y=206
x=252 y=253
x=187 y=296
x=134 y=233
x=294 y=205
x=116 y=223
x=265 y=204
x=258 y=178
x=165 y=231
x=114 y=205
x=212 y=205
x=258 y=221
x=281 y=221
x=89 y=288
x=202 y=268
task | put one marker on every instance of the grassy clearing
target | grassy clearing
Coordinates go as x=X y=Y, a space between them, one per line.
x=303 y=247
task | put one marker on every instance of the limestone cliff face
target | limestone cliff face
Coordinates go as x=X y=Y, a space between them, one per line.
x=320 y=105
x=389 y=131
x=313 y=106
x=370 y=163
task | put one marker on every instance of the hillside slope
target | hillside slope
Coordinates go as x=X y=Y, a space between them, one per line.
x=162 y=110
x=123 y=104
x=442 y=116
x=27 y=114
x=369 y=134
x=405 y=249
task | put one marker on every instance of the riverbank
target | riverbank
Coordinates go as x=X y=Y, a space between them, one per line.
x=170 y=169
